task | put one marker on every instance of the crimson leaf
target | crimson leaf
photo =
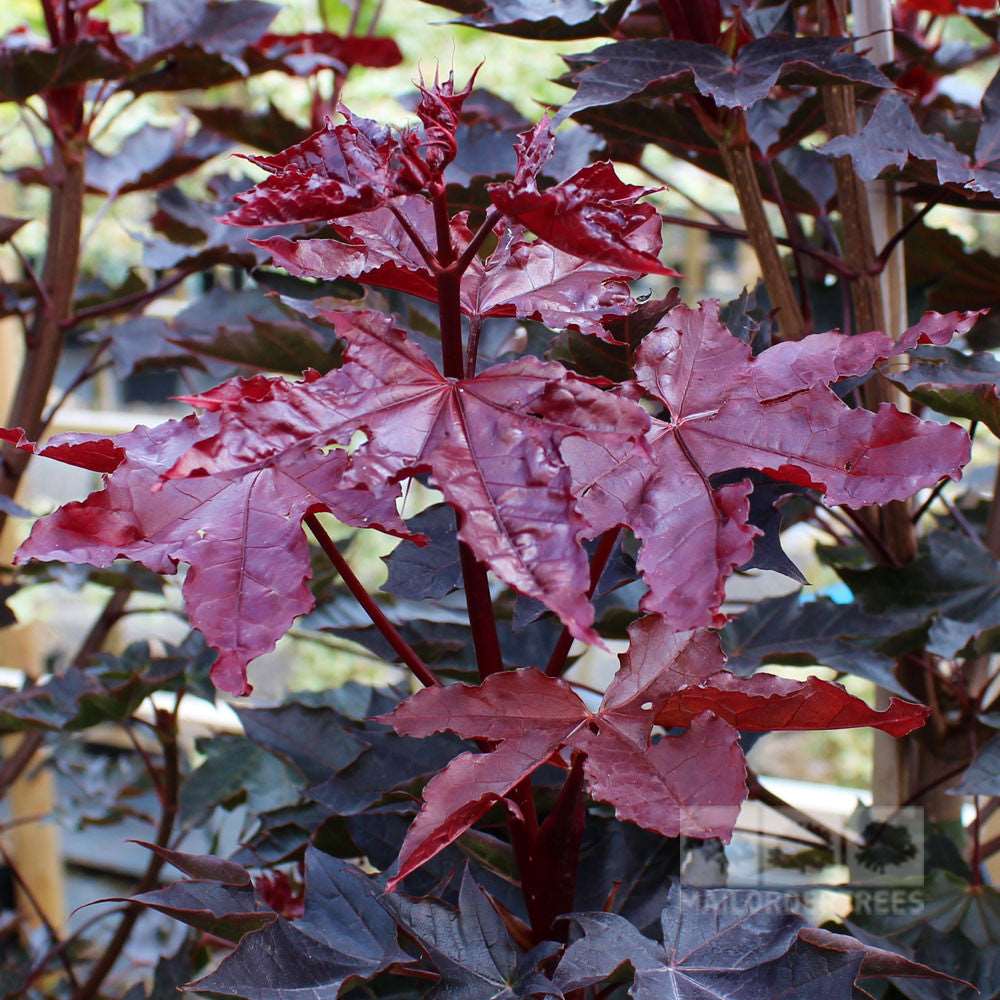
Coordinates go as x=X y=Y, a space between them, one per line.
x=623 y=70
x=337 y=171
x=307 y=51
x=527 y=279
x=773 y=412
x=530 y=716
x=491 y=444
x=690 y=784
x=593 y=214
x=239 y=530
x=226 y=492
x=268 y=130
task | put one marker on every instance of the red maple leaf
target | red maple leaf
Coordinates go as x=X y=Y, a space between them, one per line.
x=690 y=784
x=726 y=409
x=358 y=167
x=226 y=492
x=594 y=214
x=491 y=443
x=239 y=531
x=521 y=277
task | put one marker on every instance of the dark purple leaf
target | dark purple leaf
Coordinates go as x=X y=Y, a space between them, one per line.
x=555 y=20
x=313 y=739
x=953 y=382
x=472 y=949
x=891 y=137
x=789 y=631
x=623 y=70
x=344 y=935
x=432 y=571
x=982 y=777
x=268 y=130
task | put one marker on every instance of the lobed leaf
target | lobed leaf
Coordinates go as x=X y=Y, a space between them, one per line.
x=239 y=530
x=690 y=784
x=623 y=70
x=345 y=932
x=472 y=948
x=527 y=279
x=775 y=412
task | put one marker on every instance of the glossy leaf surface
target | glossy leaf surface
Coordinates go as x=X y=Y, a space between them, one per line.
x=774 y=412
x=670 y=678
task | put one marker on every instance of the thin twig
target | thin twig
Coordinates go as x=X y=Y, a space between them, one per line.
x=376 y=17
x=478 y=237
x=14 y=765
x=832 y=262
x=124 y=304
x=690 y=199
x=792 y=231
x=873 y=540
x=147 y=761
x=56 y=950
x=886 y=252
x=827 y=834
x=42 y=915
x=86 y=373
x=925 y=506
x=963 y=522
x=352 y=26
x=392 y=635
x=167 y=733
x=422 y=248
x=32 y=275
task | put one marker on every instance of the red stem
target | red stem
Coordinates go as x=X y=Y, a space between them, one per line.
x=557 y=661
x=477 y=588
x=405 y=651
x=478 y=238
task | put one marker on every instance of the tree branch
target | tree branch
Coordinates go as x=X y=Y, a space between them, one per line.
x=124 y=304
x=54 y=939
x=742 y=173
x=167 y=732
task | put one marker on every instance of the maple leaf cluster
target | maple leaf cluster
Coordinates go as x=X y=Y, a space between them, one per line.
x=533 y=458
